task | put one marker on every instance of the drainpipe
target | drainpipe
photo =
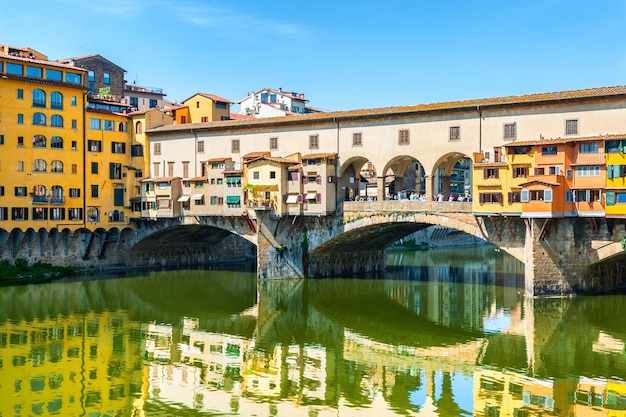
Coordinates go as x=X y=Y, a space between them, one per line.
x=337 y=167
x=480 y=129
x=85 y=159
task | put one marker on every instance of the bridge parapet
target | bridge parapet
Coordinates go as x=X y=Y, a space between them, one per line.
x=398 y=206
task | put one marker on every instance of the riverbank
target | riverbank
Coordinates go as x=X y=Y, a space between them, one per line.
x=20 y=272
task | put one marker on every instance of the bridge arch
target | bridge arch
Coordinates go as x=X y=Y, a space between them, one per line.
x=408 y=174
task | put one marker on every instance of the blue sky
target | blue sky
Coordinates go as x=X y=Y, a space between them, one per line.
x=341 y=54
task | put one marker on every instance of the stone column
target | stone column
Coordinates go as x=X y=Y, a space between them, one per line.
x=445 y=185
x=275 y=257
x=428 y=181
x=380 y=188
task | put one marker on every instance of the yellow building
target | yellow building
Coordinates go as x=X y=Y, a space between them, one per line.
x=41 y=143
x=615 y=202
x=202 y=108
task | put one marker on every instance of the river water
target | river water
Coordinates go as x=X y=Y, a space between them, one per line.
x=447 y=333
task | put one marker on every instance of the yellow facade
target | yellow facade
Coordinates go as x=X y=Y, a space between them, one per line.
x=41 y=142
x=203 y=108
x=616 y=177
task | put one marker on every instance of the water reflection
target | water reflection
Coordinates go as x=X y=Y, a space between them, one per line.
x=221 y=343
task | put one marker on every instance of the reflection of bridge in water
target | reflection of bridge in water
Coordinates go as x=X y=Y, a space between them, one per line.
x=352 y=333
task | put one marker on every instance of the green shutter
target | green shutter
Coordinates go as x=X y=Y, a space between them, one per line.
x=118 y=197
x=233 y=199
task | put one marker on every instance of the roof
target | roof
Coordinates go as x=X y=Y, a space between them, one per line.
x=564 y=97
x=162 y=179
x=42 y=62
x=561 y=140
x=210 y=97
x=222 y=159
x=276 y=159
x=203 y=178
x=256 y=154
x=84 y=57
x=319 y=155
x=237 y=116
x=539 y=182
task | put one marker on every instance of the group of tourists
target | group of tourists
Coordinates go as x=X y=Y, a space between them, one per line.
x=454 y=197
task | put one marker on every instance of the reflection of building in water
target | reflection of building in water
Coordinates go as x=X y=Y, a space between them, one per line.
x=76 y=365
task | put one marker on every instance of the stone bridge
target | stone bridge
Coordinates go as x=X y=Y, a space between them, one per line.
x=561 y=256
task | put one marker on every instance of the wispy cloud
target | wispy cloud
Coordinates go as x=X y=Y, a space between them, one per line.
x=235 y=23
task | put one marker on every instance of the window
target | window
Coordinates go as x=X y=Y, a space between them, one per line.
x=118 y=147
x=490 y=197
x=56 y=166
x=157 y=148
x=515 y=197
x=589 y=147
x=74 y=213
x=39 y=98
x=39 y=165
x=94 y=167
x=20 y=141
x=556 y=170
x=1 y=190
x=540 y=171
x=204 y=119
x=220 y=105
x=74 y=192
x=587 y=196
x=39 y=141
x=93 y=214
x=314 y=141
x=54 y=75
x=170 y=169
x=20 y=191
x=153 y=103
x=74 y=168
x=357 y=139
x=571 y=127
x=73 y=78
x=272 y=175
x=56 y=142
x=185 y=169
x=56 y=195
x=73 y=101
x=403 y=137
x=108 y=125
x=548 y=150
x=588 y=171
x=520 y=172
x=136 y=150
x=39 y=119
x=94 y=145
x=255 y=175
x=138 y=128
x=156 y=168
x=94 y=124
x=15 y=69
x=94 y=190
x=115 y=171
x=273 y=143
x=4 y=213
x=200 y=146
x=34 y=72
x=74 y=124
x=57 y=213
x=56 y=100
x=19 y=213
x=20 y=166
x=183 y=119
x=455 y=133
x=234 y=146
x=56 y=120
x=106 y=78
x=20 y=119
x=537 y=195
x=510 y=131
x=491 y=173
x=20 y=94
x=1 y=139
x=138 y=173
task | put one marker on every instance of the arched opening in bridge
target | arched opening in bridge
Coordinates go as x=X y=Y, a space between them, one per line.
x=405 y=178
x=193 y=245
x=452 y=177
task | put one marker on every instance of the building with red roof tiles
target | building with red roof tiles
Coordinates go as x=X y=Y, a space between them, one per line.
x=202 y=108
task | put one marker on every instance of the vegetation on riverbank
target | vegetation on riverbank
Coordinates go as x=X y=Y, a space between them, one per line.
x=21 y=271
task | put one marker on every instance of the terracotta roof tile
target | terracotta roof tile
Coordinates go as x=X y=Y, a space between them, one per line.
x=319 y=155
x=211 y=97
x=256 y=154
x=562 y=140
x=162 y=179
x=42 y=62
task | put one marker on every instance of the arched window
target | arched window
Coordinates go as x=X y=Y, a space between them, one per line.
x=56 y=100
x=39 y=98
x=39 y=119
x=93 y=214
x=56 y=142
x=39 y=141
x=56 y=166
x=121 y=127
x=138 y=128
x=56 y=120
x=116 y=216
x=39 y=165
x=39 y=194
x=56 y=194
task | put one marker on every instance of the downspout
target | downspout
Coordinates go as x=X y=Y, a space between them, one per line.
x=480 y=129
x=85 y=159
x=337 y=167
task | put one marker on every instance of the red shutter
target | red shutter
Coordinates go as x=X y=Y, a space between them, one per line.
x=510 y=198
x=300 y=198
x=318 y=179
x=158 y=204
x=497 y=173
x=481 y=198
x=485 y=174
x=305 y=179
x=318 y=198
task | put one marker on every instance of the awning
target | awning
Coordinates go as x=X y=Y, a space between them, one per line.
x=292 y=199
x=197 y=196
x=233 y=199
x=183 y=198
x=233 y=180
x=311 y=196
